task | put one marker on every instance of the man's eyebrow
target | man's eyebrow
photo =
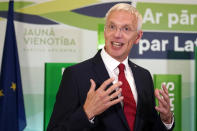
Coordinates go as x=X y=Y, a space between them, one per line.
x=110 y=22
x=129 y=25
x=126 y=25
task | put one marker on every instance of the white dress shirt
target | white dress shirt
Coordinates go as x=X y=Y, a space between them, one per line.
x=112 y=68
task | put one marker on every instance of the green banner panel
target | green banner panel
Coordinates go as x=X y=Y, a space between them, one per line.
x=53 y=75
x=101 y=40
x=164 y=16
x=173 y=84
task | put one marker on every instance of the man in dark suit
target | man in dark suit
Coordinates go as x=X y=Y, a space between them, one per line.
x=108 y=92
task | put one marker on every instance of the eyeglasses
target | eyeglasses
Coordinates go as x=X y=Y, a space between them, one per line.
x=125 y=29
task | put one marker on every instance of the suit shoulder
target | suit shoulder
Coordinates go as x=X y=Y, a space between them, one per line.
x=137 y=67
x=81 y=66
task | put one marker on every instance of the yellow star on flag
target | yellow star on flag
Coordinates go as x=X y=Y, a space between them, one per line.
x=1 y=93
x=13 y=86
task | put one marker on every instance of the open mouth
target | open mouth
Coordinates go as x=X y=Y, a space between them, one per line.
x=117 y=44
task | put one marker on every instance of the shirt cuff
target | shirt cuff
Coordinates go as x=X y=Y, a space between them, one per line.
x=169 y=126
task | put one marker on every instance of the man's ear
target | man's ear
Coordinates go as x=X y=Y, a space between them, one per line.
x=139 y=36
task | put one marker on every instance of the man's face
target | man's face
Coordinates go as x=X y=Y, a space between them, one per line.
x=120 y=34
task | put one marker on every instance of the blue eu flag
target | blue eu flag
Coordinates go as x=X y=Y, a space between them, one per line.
x=12 y=112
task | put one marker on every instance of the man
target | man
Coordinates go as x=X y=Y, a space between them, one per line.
x=108 y=92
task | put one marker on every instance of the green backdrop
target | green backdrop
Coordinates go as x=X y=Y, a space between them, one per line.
x=53 y=75
x=173 y=84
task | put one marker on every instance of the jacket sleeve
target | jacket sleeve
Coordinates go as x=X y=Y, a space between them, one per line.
x=68 y=113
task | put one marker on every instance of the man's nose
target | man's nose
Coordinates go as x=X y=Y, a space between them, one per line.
x=118 y=32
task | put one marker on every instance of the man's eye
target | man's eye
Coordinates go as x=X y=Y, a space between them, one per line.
x=126 y=29
x=111 y=26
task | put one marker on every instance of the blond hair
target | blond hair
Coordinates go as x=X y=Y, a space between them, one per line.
x=129 y=8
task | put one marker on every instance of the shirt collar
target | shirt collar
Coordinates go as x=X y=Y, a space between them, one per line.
x=110 y=62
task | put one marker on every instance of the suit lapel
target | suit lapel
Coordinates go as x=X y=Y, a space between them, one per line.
x=136 y=75
x=121 y=114
x=101 y=75
x=99 y=69
x=137 y=79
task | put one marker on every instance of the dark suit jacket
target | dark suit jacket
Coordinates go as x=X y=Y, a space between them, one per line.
x=68 y=113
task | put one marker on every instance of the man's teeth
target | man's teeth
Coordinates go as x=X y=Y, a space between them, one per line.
x=117 y=44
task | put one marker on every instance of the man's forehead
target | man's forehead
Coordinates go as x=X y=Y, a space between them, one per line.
x=122 y=24
x=122 y=19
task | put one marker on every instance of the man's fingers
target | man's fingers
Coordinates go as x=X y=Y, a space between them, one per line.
x=160 y=97
x=164 y=101
x=113 y=87
x=164 y=88
x=106 y=83
x=93 y=85
x=160 y=108
x=157 y=93
x=116 y=101
x=165 y=96
x=115 y=94
x=164 y=104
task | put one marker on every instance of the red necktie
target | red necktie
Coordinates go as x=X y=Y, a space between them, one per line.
x=128 y=101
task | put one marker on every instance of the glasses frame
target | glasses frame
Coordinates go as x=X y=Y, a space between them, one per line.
x=126 y=29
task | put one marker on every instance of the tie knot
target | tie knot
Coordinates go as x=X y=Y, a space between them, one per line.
x=121 y=67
